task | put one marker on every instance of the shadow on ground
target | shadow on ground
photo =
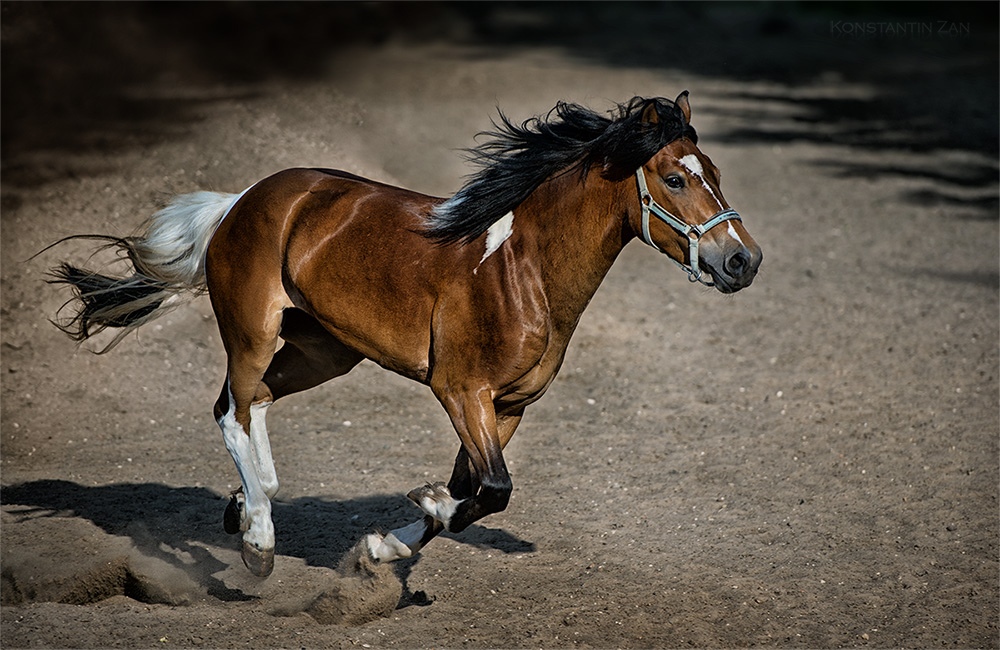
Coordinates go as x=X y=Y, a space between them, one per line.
x=165 y=522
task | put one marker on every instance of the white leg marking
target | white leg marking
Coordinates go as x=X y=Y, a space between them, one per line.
x=259 y=530
x=498 y=233
x=397 y=545
x=262 y=449
x=436 y=501
x=691 y=163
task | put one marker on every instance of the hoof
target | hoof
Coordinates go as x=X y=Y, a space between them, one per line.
x=372 y=543
x=260 y=563
x=385 y=548
x=434 y=492
x=436 y=501
x=234 y=515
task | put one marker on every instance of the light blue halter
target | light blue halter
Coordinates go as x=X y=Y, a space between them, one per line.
x=693 y=233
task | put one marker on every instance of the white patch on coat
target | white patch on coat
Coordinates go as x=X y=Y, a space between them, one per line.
x=498 y=233
x=691 y=163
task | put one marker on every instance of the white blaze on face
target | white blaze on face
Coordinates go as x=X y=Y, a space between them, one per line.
x=732 y=232
x=691 y=163
x=498 y=233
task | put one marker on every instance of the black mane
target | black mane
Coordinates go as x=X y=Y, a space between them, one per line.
x=517 y=159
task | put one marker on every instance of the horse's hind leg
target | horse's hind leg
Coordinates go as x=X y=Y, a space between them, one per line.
x=260 y=451
x=258 y=376
x=248 y=303
x=309 y=357
x=235 y=414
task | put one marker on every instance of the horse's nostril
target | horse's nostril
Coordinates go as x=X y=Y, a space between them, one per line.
x=737 y=263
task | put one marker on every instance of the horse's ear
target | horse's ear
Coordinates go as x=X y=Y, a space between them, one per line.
x=685 y=106
x=649 y=114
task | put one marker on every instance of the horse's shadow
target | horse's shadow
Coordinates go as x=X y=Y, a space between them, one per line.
x=162 y=521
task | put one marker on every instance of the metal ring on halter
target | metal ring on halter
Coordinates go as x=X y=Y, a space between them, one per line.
x=651 y=206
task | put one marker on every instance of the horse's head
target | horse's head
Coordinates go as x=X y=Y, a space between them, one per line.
x=693 y=223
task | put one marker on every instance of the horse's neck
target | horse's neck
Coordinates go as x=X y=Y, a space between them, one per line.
x=579 y=231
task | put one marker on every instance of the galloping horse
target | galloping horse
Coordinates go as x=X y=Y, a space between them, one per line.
x=476 y=296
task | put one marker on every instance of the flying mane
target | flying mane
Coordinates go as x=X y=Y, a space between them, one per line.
x=517 y=159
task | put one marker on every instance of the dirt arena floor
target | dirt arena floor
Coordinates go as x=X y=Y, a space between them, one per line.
x=812 y=462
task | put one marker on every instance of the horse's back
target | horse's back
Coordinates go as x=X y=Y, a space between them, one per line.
x=344 y=249
x=296 y=213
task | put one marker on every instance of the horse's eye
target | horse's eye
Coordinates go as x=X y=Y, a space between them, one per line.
x=674 y=181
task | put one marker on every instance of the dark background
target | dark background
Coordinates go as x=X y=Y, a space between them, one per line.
x=72 y=73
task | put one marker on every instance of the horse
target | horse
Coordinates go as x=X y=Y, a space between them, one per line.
x=475 y=296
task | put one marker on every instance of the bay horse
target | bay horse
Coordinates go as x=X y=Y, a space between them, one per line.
x=476 y=296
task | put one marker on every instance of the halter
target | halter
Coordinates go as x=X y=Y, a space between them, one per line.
x=693 y=233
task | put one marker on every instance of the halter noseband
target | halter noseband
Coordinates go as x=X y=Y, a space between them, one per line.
x=693 y=233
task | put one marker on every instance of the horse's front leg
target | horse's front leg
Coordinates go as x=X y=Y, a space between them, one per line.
x=487 y=489
x=462 y=487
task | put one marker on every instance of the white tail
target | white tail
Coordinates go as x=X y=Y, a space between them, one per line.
x=168 y=258
x=172 y=250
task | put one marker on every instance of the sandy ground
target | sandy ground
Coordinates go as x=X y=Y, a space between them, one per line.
x=812 y=462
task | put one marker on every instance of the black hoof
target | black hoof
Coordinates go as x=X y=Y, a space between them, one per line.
x=260 y=563
x=231 y=520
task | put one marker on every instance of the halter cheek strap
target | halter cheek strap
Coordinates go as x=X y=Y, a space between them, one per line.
x=693 y=233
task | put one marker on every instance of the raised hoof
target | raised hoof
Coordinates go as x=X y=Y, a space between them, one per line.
x=260 y=563
x=436 y=501
x=233 y=516
x=434 y=492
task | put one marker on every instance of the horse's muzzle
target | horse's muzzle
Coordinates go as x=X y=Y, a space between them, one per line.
x=735 y=270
